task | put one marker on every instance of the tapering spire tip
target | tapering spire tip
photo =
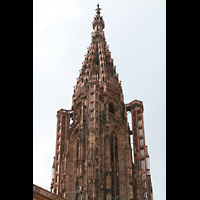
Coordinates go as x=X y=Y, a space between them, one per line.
x=98 y=9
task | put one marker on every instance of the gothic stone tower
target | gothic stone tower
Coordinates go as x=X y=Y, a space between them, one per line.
x=93 y=155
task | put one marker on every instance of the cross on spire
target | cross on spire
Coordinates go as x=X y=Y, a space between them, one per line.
x=98 y=9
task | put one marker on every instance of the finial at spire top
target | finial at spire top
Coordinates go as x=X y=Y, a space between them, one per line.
x=98 y=9
x=98 y=23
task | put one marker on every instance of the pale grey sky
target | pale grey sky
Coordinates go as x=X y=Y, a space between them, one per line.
x=135 y=31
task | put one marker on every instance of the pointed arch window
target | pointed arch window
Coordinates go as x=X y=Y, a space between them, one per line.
x=114 y=166
x=77 y=149
x=111 y=108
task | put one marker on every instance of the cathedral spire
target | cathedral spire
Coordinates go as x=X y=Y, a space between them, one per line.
x=96 y=130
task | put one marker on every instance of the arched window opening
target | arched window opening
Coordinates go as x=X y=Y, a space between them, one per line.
x=97 y=61
x=114 y=166
x=111 y=108
x=77 y=149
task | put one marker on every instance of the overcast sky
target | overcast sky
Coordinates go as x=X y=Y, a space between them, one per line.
x=135 y=31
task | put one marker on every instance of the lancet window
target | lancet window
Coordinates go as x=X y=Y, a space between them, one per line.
x=114 y=166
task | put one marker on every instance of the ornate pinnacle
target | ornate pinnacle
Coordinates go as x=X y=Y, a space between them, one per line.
x=98 y=9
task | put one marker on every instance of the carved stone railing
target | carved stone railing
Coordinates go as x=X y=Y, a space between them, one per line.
x=38 y=192
x=134 y=103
